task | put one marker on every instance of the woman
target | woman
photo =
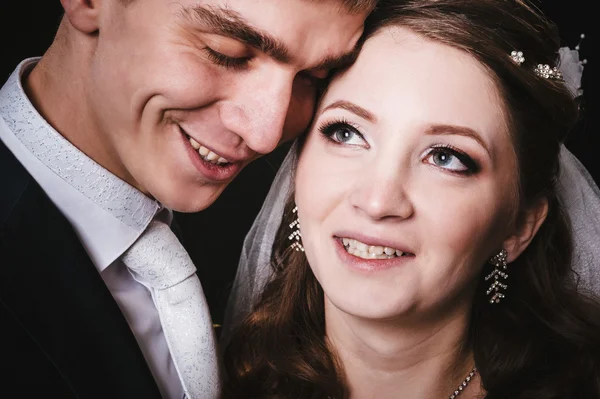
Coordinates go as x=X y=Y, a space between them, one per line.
x=433 y=257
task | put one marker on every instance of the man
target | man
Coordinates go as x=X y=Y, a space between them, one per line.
x=139 y=108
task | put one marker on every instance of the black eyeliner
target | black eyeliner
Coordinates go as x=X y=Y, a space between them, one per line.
x=328 y=129
x=472 y=166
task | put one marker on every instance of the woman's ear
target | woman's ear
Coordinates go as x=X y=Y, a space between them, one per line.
x=83 y=14
x=526 y=228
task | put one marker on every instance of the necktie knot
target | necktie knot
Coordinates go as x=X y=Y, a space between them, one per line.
x=158 y=259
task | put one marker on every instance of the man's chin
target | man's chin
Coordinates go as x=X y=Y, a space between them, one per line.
x=196 y=201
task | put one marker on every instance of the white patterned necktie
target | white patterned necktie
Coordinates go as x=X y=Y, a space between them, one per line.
x=158 y=260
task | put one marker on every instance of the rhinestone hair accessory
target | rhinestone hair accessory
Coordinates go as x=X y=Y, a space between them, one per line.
x=545 y=71
x=295 y=236
x=517 y=57
x=541 y=70
x=499 y=262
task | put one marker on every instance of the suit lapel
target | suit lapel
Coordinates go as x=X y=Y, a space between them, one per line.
x=50 y=285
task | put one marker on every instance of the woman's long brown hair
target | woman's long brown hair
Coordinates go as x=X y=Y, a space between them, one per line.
x=543 y=340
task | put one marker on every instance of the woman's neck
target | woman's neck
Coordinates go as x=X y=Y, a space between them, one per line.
x=387 y=359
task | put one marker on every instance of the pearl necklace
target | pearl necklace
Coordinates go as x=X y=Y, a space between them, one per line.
x=464 y=384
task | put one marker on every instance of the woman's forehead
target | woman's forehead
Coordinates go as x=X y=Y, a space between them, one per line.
x=401 y=76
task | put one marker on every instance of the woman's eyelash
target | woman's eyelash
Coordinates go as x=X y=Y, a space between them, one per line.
x=226 y=61
x=329 y=128
x=466 y=160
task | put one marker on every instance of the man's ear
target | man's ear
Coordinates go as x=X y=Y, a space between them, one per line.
x=82 y=14
x=525 y=229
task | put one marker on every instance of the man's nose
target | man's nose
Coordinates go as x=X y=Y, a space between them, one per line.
x=259 y=112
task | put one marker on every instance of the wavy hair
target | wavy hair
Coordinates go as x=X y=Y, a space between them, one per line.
x=542 y=340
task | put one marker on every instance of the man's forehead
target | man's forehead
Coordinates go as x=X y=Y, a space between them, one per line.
x=234 y=23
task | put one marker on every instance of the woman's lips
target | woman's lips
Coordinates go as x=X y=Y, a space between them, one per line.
x=369 y=259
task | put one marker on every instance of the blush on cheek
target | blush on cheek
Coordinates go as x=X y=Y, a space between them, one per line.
x=464 y=226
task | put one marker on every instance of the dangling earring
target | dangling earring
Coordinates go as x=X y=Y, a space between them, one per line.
x=499 y=262
x=295 y=236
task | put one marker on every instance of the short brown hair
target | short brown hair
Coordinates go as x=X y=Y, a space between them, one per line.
x=354 y=6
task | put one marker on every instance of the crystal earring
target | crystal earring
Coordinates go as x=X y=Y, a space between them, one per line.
x=295 y=236
x=499 y=262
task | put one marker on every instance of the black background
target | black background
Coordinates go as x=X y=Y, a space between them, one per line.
x=213 y=237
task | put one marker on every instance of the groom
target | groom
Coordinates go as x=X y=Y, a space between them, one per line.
x=138 y=108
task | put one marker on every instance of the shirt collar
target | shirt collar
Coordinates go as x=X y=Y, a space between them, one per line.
x=128 y=209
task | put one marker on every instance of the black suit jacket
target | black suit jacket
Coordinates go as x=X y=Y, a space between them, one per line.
x=62 y=333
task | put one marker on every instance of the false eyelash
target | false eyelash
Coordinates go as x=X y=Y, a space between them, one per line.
x=328 y=128
x=471 y=165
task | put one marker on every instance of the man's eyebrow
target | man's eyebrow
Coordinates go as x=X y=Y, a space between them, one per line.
x=229 y=23
x=355 y=109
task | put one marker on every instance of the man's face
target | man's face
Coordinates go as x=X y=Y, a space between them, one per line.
x=187 y=93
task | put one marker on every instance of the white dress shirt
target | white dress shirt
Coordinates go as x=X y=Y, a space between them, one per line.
x=107 y=214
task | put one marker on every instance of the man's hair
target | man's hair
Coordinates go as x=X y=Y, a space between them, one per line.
x=352 y=6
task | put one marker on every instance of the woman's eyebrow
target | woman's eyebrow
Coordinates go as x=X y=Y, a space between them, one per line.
x=355 y=109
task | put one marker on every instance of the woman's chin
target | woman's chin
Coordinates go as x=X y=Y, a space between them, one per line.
x=374 y=310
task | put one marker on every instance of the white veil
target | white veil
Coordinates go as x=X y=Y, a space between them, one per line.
x=580 y=197
x=254 y=268
x=577 y=193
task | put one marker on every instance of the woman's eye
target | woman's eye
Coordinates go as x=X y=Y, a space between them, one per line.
x=451 y=159
x=226 y=60
x=342 y=133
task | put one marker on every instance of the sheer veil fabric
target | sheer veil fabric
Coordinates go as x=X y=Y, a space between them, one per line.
x=580 y=197
x=578 y=193
x=254 y=268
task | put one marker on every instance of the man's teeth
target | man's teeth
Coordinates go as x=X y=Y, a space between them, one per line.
x=362 y=250
x=207 y=154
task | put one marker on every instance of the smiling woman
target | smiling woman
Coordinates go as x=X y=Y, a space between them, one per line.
x=430 y=248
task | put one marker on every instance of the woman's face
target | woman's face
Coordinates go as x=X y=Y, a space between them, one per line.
x=405 y=186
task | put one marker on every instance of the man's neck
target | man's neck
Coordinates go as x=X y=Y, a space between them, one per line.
x=56 y=87
x=386 y=359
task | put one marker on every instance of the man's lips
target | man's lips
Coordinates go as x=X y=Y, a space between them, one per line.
x=208 y=154
x=210 y=168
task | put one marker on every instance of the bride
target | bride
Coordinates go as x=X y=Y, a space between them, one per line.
x=423 y=251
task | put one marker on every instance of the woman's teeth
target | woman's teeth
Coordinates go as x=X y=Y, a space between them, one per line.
x=207 y=154
x=365 y=251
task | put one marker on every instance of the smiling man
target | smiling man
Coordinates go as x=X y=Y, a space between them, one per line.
x=139 y=108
